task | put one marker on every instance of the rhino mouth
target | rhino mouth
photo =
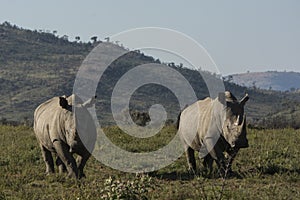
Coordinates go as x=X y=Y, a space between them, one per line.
x=238 y=143
x=236 y=135
x=244 y=145
x=73 y=147
x=72 y=150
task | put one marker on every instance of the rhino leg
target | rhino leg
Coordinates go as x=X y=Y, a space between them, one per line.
x=208 y=163
x=67 y=158
x=219 y=157
x=61 y=166
x=81 y=161
x=190 y=155
x=231 y=156
x=227 y=166
x=47 y=156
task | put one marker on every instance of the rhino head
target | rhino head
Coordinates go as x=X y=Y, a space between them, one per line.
x=70 y=122
x=234 y=127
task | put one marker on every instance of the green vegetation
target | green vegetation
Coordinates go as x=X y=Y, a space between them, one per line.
x=289 y=117
x=268 y=169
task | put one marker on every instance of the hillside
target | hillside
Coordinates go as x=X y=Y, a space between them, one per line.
x=271 y=80
x=35 y=66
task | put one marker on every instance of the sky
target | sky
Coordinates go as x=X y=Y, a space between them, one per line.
x=239 y=35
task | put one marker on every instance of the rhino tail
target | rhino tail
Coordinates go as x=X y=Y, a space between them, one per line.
x=178 y=120
x=178 y=117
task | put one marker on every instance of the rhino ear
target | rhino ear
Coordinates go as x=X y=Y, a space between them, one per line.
x=244 y=100
x=63 y=102
x=89 y=103
x=222 y=98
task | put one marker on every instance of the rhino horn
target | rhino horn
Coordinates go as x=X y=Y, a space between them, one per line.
x=244 y=99
x=237 y=121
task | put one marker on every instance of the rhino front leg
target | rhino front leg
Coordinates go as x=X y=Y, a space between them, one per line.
x=47 y=156
x=214 y=145
x=67 y=158
x=208 y=163
x=190 y=156
x=231 y=156
x=219 y=157
x=81 y=161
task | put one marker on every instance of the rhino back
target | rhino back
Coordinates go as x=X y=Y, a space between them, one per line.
x=49 y=123
x=195 y=121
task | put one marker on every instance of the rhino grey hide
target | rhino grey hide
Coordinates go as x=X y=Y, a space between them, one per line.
x=212 y=127
x=56 y=130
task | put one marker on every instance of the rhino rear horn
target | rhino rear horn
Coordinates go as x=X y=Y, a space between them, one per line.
x=63 y=102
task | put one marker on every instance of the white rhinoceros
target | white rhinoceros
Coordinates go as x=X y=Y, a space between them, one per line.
x=56 y=128
x=212 y=127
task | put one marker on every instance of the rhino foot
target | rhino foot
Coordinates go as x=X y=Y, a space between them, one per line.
x=49 y=173
x=81 y=175
x=72 y=175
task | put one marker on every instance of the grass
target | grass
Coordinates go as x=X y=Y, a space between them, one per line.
x=268 y=169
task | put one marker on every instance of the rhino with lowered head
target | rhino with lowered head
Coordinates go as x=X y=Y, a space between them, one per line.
x=56 y=129
x=212 y=127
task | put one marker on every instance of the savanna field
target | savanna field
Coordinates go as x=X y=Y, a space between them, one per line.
x=268 y=169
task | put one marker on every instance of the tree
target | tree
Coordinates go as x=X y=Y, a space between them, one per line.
x=254 y=85
x=230 y=78
x=94 y=39
x=292 y=89
x=6 y=23
x=65 y=37
x=77 y=38
x=107 y=39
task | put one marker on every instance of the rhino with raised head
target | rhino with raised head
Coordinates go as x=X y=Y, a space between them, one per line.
x=212 y=127
x=56 y=129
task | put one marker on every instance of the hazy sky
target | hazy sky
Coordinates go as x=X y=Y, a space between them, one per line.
x=254 y=35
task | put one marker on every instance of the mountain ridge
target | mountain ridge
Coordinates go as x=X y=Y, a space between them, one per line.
x=36 y=66
x=269 y=80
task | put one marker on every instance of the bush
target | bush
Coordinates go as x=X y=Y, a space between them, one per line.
x=130 y=189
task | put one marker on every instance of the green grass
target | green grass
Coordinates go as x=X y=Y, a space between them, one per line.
x=268 y=169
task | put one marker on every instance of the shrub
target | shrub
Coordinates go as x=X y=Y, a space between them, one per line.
x=130 y=189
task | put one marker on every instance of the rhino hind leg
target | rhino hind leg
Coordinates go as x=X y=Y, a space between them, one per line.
x=61 y=166
x=47 y=156
x=66 y=157
x=190 y=155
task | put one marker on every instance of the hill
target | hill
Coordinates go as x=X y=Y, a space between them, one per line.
x=271 y=80
x=35 y=66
